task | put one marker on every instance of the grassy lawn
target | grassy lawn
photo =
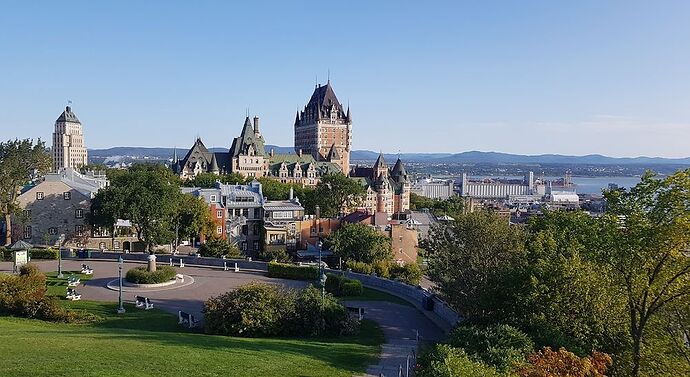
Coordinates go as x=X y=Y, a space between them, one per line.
x=369 y=294
x=149 y=343
x=58 y=287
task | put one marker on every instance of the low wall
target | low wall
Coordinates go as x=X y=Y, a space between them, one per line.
x=444 y=317
x=165 y=258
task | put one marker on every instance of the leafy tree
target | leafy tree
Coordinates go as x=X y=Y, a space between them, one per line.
x=476 y=264
x=20 y=162
x=192 y=217
x=567 y=300
x=497 y=345
x=276 y=190
x=208 y=180
x=333 y=194
x=219 y=247
x=452 y=206
x=361 y=243
x=549 y=363
x=442 y=360
x=147 y=195
x=645 y=241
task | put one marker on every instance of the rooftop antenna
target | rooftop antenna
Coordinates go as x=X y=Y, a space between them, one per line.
x=316 y=81
x=329 y=76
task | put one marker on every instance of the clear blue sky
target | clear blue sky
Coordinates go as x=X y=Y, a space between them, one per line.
x=609 y=77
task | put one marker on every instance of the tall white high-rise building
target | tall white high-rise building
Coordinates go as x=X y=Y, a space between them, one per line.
x=68 y=142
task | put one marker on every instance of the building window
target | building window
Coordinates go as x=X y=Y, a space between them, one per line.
x=244 y=245
x=256 y=245
x=27 y=232
x=79 y=213
x=39 y=195
x=27 y=214
x=219 y=213
x=219 y=230
x=52 y=231
x=116 y=244
x=213 y=199
x=79 y=230
x=67 y=195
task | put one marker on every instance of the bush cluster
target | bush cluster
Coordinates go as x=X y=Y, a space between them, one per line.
x=278 y=254
x=24 y=295
x=409 y=273
x=217 y=248
x=44 y=253
x=442 y=360
x=5 y=254
x=140 y=275
x=339 y=285
x=291 y=271
x=257 y=310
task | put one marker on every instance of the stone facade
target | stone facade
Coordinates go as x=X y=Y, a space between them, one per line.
x=57 y=206
x=68 y=149
x=387 y=190
x=247 y=157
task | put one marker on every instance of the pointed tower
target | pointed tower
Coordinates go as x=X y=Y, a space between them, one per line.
x=213 y=167
x=380 y=167
x=322 y=124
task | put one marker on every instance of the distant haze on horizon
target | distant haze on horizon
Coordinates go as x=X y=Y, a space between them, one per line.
x=531 y=77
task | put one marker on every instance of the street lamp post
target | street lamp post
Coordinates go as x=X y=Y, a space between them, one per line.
x=60 y=241
x=120 y=308
x=322 y=275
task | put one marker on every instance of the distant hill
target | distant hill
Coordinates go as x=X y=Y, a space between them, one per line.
x=471 y=157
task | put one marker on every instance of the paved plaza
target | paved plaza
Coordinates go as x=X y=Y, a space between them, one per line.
x=400 y=324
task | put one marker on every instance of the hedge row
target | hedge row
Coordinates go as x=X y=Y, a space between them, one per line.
x=339 y=285
x=409 y=273
x=140 y=275
x=291 y=271
x=44 y=253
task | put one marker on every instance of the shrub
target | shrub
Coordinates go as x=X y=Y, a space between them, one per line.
x=442 y=360
x=252 y=310
x=217 y=248
x=409 y=273
x=30 y=269
x=258 y=309
x=382 y=268
x=5 y=254
x=563 y=363
x=291 y=271
x=497 y=345
x=333 y=282
x=44 y=253
x=274 y=254
x=361 y=267
x=140 y=275
x=351 y=288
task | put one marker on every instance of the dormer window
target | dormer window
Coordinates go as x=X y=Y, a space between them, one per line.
x=67 y=195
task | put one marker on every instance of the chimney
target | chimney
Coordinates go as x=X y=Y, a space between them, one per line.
x=317 y=212
x=256 y=126
x=292 y=194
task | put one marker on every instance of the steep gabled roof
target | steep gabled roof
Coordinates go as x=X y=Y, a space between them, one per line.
x=68 y=116
x=380 y=162
x=246 y=139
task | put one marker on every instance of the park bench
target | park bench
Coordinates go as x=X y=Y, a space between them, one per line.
x=72 y=294
x=357 y=311
x=186 y=319
x=143 y=302
x=86 y=270
x=72 y=281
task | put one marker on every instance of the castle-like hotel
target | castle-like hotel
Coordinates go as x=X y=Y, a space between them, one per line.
x=323 y=142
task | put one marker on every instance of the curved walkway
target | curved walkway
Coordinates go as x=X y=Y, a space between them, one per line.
x=400 y=324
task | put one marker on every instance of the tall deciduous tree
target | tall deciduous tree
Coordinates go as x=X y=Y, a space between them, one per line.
x=360 y=243
x=474 y=261
x=20 y=162
x=646 y=244
x=192 y=217
x=146 y=195
x=333 y=194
